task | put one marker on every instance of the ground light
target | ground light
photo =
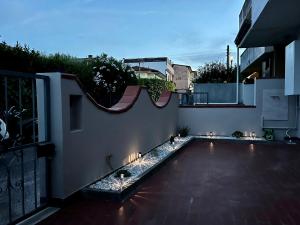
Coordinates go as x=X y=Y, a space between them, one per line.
x=147 y=162
x=211 y=147
x=252 y=149
x=138 y=168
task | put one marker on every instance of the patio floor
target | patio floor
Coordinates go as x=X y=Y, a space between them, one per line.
x=225 y=183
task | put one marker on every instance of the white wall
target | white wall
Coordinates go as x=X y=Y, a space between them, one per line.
x=292 y=68
x=218 y=92
x=80 y=155
x=298 y=133
x=224 y=121
x=248 y=94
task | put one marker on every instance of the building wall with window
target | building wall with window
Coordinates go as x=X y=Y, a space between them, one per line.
x=162 y=64
x=182 y=76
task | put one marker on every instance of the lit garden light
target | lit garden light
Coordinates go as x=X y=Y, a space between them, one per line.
x=132 y=172
x=211 y=134
x=172 y=140
x=176 y=139
x=253 y=135
x=122 y=181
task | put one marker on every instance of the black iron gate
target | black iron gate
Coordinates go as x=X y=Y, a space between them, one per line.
x=24 y=144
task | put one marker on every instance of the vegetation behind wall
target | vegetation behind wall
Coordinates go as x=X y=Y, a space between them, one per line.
x=156 y=86
x=216 y=72
x=104 y=77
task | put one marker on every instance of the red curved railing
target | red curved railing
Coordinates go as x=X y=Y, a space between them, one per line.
x=128 y=99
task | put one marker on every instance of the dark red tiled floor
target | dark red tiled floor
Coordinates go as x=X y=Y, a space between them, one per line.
x=224 y=183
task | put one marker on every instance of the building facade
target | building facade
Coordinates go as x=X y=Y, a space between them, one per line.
x=147 y=73
x=270 y=33
x=266 y=36
x=183 y=77
x=161 y=64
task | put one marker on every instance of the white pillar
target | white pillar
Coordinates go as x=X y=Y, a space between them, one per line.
x=255 y=91
x=237 y=74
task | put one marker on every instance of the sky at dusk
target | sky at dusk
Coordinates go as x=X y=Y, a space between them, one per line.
x=189 y=32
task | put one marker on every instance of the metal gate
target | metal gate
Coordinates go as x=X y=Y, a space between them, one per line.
x=25 y=148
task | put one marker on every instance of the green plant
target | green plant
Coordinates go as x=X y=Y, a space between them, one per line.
x=184 y=131
x=156 y=87
x=269 y=134
x=126 y=173
x=215 y=72
x=111 y=77
x=237 y=134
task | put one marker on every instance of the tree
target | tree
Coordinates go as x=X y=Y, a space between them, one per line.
x=111 y=77
x=105 y=78
x=215 y=72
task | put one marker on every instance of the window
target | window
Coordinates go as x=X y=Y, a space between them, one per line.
x=75 y=112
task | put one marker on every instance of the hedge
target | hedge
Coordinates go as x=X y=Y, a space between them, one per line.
x=23 y=59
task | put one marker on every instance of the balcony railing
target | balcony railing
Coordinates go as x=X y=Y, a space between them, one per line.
x=246 y=12
x=250 y=55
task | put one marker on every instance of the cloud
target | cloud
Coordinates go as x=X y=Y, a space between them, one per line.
x=198 y=59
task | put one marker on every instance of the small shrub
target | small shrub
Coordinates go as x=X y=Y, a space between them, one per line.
x=269 y=134
x=172 y=139
x=183 y=131
x=125 y=172
x=237 y=134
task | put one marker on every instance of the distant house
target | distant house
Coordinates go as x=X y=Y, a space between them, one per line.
x=183 y=77
x=161 y=64
x=148 y=73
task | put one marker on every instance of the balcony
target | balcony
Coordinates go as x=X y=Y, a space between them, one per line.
x=246 y=12
x=250 y=55
x=271 y=23
x=244 y=21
